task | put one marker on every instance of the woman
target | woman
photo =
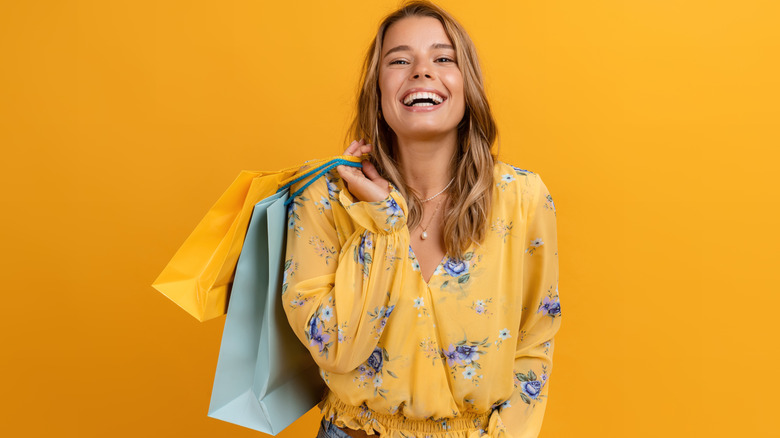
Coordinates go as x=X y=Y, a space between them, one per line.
x=425 y=284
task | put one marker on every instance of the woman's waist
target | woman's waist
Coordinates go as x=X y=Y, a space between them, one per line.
x=363 y=418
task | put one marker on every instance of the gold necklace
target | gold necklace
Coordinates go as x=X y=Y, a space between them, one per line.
x=424 y=234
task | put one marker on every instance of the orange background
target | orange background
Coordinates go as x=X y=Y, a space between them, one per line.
x=653 y=123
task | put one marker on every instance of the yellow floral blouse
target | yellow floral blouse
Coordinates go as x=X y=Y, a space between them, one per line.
x=467 y=354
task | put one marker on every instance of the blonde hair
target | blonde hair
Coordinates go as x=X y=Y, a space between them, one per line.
x=469 y=203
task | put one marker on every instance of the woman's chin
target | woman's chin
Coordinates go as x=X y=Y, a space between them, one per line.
x=424 y=133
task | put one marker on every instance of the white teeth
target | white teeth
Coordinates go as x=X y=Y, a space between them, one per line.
x=423 y=95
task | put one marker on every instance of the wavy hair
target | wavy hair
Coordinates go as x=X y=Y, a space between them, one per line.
x=469 y=203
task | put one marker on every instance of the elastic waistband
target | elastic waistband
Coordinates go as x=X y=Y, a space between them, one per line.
x=336 y=410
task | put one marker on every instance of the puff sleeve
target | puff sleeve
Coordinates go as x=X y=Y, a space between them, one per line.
x=522 y=414
x=343 y=271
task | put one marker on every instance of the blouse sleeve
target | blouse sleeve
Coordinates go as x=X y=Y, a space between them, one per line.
x=341 y=282
x=541 y=318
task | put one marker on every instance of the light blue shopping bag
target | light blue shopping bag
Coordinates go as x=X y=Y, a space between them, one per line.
x=265 y=379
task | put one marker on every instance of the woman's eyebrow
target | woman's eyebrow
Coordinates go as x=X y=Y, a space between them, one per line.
x=433 y=46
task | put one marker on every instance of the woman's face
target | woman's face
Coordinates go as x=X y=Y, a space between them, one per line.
x=418 y=58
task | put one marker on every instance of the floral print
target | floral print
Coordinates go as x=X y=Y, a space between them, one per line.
x=480 y=307
x=430 y=349
x=289 y=270
x=413 y=260
x=551 y=305
x=380 y=316
x=419 y=304
x=503 y=183
x=457 y=271
x=501 y=228
x=342 y=333
x=362 y=253
x=333 y=190
x=536 y=243
x=529 y=385
x=293 y=218
x=456 y=268
x=372 y=372
x=323 y=204
x=503 y=335
x=322 y=249
x=317 y=335
x=483 y=324
x=550 y=204
x=393 y=211
x=463 y=357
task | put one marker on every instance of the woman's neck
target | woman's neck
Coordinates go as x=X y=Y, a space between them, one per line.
x=425 y=164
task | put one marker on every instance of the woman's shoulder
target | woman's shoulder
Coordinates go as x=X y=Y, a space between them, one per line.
x=501 y=169
x=514 y=187
x=505 y=174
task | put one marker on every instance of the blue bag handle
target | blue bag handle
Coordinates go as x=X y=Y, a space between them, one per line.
x=322 y=169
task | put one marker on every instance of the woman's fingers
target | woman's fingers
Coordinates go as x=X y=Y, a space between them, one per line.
x=351 y=148
x=365 y=183
x=356 y=148
x=347 y=172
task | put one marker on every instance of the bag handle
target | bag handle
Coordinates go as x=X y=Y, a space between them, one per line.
x=327 y=166
x=293 y=179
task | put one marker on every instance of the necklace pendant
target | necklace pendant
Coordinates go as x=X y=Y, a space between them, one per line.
x=424 y=235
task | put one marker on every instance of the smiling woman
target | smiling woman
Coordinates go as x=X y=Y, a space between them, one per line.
x=425 y=285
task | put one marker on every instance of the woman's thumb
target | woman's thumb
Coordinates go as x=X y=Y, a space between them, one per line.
x=370 y=171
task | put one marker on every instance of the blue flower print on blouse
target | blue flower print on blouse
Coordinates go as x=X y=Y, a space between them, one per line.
x=532 y=389
x=551 y=306
x=317 y=335
x=292 y=214
x=380 y=314
x=392 y=210
x=455 y=267
x=333 y=190
x=375 y=360
x=458 y=269
x=530 y=386
x=413 y=259
x=373 y=370
x=361 y=256
x=323 y=204
x=463 y=357
x=466 y=354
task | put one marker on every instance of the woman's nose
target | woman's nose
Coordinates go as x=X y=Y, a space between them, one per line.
x=422 y=69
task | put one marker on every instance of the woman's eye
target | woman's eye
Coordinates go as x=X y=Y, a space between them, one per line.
x=397 y=61
x=446 y=59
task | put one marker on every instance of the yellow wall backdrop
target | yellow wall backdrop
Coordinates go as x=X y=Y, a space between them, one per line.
x=653 y=123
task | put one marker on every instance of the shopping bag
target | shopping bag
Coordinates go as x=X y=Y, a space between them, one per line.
x=199 y=275
x=265 y=378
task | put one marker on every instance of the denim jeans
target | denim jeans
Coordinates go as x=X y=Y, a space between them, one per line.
x=329 y=430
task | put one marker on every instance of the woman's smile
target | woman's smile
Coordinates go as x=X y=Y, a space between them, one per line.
x=423 y=99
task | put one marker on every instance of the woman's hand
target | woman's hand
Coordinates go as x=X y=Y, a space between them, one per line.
x=365 y=184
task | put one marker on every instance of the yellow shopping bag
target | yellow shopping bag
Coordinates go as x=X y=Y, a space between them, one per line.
x=199 y=276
